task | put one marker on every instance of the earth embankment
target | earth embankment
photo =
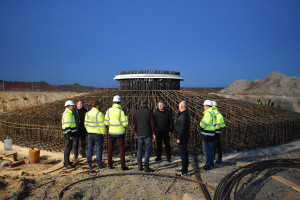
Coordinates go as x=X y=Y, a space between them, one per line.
x=283 y=90
x=13 y=100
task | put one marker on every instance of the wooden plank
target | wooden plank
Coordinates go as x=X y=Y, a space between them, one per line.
x=21 y=162
x=243 y=164
x=287 y=183
x=14 y=156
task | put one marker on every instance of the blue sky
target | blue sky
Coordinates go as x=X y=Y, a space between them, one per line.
x=212 y=43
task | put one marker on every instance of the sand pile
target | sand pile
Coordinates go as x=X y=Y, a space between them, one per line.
x=274 y=84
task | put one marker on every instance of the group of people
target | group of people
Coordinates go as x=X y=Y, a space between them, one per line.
x=269 y=102
x=77 y=123
x=211 y=127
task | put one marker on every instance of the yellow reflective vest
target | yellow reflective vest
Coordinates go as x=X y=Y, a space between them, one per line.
x=116 y=119
x=208 y=122
x=94 y=122
x=68 y=122
x=219 y=120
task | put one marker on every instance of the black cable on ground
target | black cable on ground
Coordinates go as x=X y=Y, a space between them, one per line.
x=233 y=179
x=198 y=177
x=61 y=194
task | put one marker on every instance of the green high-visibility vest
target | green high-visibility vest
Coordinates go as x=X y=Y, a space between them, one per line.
x=68 y=122
x=116 y=119
x=94 y=122
x=219 y=119
x=208 y=122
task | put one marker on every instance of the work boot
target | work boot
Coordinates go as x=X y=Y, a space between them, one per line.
x=148 y=169
x=206 y=167
x=181 y=174
x=219 y=160
x=125 y=168
x=69 y=166
x=101 y=166
x=158 y=159
x=141 y=168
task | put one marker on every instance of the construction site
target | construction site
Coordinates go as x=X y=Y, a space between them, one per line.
x=249 y=127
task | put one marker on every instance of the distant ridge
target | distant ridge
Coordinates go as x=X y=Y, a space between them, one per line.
x=273 y=84
x=43 y=86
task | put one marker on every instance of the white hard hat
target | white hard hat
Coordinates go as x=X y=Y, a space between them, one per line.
x=214 y=103
x=207 y=103
x=69 y=103
x=117 y=98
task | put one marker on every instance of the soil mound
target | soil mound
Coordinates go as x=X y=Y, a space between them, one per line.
x=273 y=84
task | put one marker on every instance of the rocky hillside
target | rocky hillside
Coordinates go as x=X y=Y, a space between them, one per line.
x=274 y=84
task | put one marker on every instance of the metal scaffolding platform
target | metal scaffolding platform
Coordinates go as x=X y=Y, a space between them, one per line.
x=149 y=80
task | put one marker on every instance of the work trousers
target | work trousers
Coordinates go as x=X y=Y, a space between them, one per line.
x=208 y=149
x=68 y=148
x=147 y=140
x=111 y=143
x=218 y=147
x=82 y=138
x=94 y=138
x=184 y=154
x=166 y=138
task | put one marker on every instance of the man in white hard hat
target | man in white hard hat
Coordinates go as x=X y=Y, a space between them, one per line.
x=69 y=129
x=116 y=119
x=220 y=125
x=207 y=125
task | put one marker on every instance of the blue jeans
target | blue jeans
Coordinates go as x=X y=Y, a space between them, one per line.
x=208 y=149
x=92 y=139
x=148 y=143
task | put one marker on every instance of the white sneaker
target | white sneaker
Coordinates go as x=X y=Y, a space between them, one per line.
x=181 y=174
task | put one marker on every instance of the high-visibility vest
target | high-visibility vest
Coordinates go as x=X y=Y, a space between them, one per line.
x=116 y=119
x=270 y=103
x=94 y=122
x=208 y=122
x=68 y=122
x=219 y=120
x=259 y=103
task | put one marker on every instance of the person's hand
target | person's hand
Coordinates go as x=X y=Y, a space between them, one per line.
x=136 y=136
x=153 y=138
x=71 y=138
x=178 y=141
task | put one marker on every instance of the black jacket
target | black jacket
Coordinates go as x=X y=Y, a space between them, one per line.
x=143 y=122
x=182 y=126
x=163 y=121
x=79 y=119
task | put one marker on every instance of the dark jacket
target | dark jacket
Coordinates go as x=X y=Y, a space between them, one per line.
x=143 y=122
x=163 y=121
x=79 y=119
x=182 y=126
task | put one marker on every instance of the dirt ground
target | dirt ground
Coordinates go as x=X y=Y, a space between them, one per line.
x=47 y=178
